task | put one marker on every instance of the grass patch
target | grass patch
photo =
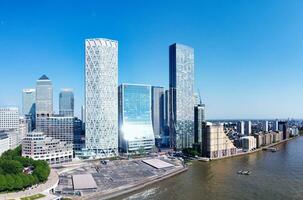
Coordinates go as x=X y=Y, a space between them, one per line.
x=33 y=197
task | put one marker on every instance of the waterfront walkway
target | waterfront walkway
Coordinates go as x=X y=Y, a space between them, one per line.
x=43 y=188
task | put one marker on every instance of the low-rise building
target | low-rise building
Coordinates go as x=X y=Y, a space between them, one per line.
x=4 y=142
x=38 y=146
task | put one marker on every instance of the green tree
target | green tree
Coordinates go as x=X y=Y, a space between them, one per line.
x=11 y=166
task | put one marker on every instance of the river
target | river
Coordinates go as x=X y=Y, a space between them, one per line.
x=274 y=176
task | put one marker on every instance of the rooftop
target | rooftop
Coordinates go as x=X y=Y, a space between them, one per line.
x=84 y=181
x=158 y=164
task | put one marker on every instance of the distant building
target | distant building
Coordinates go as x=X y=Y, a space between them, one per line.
x=249 y=143
x=38 y=146
x=83 y=117
x=199 y=118
x=165 y=136
x=135 y=118
x=283 y=127
x=29 y=105
x=4 y=142
x=78 y=135
x=215 y=143
x=66 y=102
x=101 y=97
x=62 y=128
x=9 y=118
x=241 y=127
x=181 y=85
x=158 y=111
x=247 y=128
x=44 y=100
x=265 y=126
x=276 y=125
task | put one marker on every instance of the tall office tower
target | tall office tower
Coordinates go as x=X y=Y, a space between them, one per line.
x=29 y=106
x=28 y=101
x=135 y=118
x=247 y=128
x=9 y=118
x=44 y=100
x=240 y=127
x=101 y=97
x=181 y=85
x=66 y=102
x=199 y=118
x=166 y=108
x=158 y=111
x=265 y=126
x=276 y=125
x=283 y=127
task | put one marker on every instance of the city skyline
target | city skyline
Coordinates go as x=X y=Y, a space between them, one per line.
x=243 y=62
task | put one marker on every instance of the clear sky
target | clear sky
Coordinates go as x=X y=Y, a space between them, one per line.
x=248 y=53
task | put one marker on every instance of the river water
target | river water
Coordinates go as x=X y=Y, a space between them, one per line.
x=274 y=176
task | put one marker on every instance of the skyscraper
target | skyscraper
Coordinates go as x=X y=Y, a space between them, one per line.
x=241 y=127
x=66 y=102
x=158 y=110
x=101 y=97
x=181 y=85
x=29 y=106
x=135 y=118
x=28 y=101
x=247 y=128
x=265 y=126
x=199 y=118
x=44 y=99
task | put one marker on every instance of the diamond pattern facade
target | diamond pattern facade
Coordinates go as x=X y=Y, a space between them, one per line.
x=181 y=82
x=101 y=97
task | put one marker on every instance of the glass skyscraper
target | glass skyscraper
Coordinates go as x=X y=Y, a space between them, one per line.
x=28 y=101
x=158 y=110
x=29 y=106
x=135 y=118
x=44 y=100
x=101 y=97
x=44 y=96
x=181 y=85
x=66 y=102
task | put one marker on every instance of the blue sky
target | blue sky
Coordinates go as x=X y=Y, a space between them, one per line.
x=248 y=53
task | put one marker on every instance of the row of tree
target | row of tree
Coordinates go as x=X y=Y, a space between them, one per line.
x=12 y=177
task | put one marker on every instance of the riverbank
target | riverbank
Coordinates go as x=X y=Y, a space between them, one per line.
x=254 y=151
x=132 y=188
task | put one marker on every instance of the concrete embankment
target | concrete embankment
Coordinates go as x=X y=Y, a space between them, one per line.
x=133 y=187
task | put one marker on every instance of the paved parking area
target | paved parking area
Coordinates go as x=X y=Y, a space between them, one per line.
x=112 y=175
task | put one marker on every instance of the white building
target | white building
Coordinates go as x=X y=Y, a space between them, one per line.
x=241 y=127
x=38 y=146
x=247 y=129
x=101 y=97
x=9 y=118
x=248 y=143
x=4 y=142
x=265 y=126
